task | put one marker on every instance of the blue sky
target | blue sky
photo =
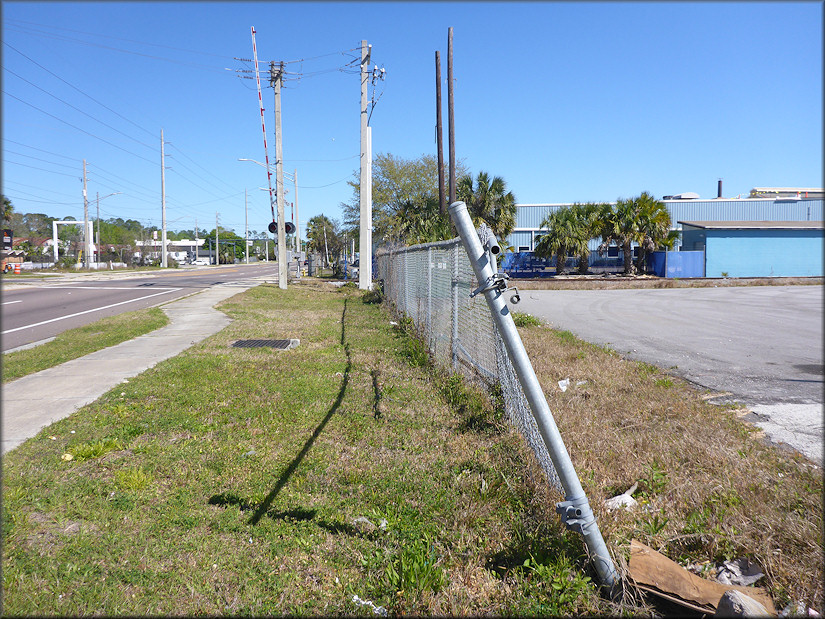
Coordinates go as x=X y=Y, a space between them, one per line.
x=580 y=101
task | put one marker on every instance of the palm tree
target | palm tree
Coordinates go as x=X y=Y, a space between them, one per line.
x=489 y=201
x=557 y=241
x=620 y=226
x=8 y=209
x=654 y=228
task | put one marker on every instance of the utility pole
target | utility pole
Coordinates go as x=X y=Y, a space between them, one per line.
x=97 y=243
x=442 y=206
x=246 y=224
x=217 y=246
x=86 y=240
x=196 y=238
x=163 y=204
x=450 y=112
x=276 y=79
x=365 y=237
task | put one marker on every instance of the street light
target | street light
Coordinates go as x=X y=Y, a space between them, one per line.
x=98 y=219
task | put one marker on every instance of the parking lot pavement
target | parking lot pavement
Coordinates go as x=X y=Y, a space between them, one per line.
x=762 y=344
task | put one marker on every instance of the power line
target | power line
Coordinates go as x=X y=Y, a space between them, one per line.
x=97 y=34
x=116 y=49
x=78 y=89
x=76 y=127
x=41 y=150
x=77 y=109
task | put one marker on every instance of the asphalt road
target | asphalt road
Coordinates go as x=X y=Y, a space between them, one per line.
x=35 y=309
x=761 y=344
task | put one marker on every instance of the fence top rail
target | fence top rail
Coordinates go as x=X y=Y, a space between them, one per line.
x=405 y=248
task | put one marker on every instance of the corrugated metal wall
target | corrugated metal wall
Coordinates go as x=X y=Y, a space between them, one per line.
x=530 y=216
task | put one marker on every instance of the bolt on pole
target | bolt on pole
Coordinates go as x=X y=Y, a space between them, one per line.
x=575 y=510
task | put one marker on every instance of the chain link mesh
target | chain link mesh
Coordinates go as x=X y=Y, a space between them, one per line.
x=431 y=285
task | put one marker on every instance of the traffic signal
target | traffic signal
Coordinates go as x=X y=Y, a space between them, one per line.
x=273 y=227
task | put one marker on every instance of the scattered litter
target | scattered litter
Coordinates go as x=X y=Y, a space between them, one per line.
x=655 y=573
x=625 y=499
x=393 y=323
x=378 y=610
x=251 y=452
x=72 y=432
x=53 y=438
x=798 y=610
x=67 y=457
x=382 y=524
x=738 y=572
x=580 y=383
x=564 y=384
x=736 y=604
x=364 y=524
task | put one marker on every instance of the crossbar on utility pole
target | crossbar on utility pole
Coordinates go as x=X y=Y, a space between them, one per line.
x=575 y=510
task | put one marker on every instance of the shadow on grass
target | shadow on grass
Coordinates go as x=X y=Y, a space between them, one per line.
x=263 y=508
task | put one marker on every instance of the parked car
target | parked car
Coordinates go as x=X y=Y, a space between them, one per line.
x=201 y=262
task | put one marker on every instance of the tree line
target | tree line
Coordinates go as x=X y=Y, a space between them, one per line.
x=120 y=239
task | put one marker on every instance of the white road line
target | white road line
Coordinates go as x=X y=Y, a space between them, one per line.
x=10 y=302
x=103 y=288
x=97 y=309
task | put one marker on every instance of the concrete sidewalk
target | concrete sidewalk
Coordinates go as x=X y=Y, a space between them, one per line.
x=33 y=402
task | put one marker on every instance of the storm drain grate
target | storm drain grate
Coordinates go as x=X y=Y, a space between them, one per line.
x=277 y=344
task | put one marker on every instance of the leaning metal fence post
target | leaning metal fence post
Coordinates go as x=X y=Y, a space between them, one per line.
x=454 y=338
x=575 y=510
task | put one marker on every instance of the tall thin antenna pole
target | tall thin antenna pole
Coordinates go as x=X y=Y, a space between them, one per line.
x=246 y=224
x=297 y=223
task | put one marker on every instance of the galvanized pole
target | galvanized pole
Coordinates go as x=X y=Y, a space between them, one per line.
x=279 y=181
x=365 y=182
x=163 y=205
x=575 y=510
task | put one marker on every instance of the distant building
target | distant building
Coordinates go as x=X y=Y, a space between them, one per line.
x=783 y=206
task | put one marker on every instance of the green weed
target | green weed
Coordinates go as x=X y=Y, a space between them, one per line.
x=94 y=449
x=525 y=320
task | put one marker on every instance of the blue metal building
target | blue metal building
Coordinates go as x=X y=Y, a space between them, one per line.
x=686 y=209
x=757 y=248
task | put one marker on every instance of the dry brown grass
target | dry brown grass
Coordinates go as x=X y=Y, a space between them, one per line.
x=709 y=487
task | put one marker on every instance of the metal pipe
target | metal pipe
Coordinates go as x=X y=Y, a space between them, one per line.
x=574 y=510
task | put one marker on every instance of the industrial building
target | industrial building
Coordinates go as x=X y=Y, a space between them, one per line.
x=737 y=232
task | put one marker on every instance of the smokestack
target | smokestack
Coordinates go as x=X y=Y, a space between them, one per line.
x=719 y=189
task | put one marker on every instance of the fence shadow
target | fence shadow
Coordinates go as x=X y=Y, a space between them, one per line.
x=263 y=508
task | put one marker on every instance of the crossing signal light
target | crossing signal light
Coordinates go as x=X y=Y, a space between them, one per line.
x=289 y=227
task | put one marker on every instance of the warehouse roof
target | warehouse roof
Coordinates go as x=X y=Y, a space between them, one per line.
x=754 y=225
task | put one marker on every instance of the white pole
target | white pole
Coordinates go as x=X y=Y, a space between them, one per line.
x=163 y=204
x=297 y=224
x=365 y=237
x=246 y=224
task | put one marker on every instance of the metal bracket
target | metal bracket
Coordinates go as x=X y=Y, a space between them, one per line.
x=576 y=514
x=497 y=282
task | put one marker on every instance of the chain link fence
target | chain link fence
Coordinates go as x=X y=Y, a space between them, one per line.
x=431 y=285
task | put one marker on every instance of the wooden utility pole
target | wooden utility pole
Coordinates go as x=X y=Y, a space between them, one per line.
x=365 y=183
x=442 y=206
x=163 y=204
x=277 y=78
x=217 y=245
x=97 y=242
x=450 y=112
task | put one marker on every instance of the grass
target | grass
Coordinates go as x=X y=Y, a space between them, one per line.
x=81 y=341
x=254 y=481
x=710 y=487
